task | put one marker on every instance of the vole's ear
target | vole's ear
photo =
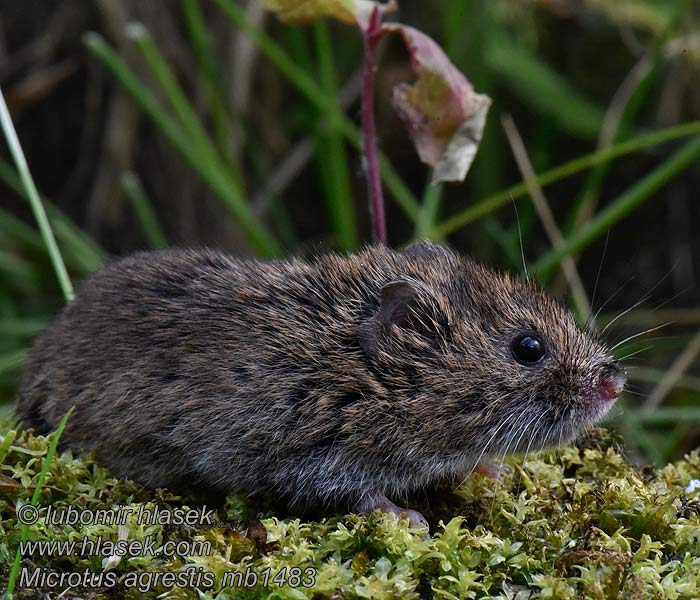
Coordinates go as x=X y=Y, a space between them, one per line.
x=407 y=305
x=426 y=248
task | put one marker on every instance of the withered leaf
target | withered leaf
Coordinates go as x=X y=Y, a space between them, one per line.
x=348 y=11
x=444 y=115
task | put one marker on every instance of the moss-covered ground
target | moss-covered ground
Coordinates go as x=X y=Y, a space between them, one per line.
x=580 y=522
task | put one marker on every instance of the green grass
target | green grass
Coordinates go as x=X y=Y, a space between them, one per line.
x=579 y=523
x=542 y=88
x=184 y=131
x=331 y=153
x=643 y=190
x=488 y=205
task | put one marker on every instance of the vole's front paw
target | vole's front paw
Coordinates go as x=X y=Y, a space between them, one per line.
x=494 y=470
x=371 y=502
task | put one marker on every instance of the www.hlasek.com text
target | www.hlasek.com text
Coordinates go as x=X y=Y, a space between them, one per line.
x=98 y=546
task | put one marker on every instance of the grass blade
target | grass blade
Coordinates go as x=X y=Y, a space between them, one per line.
x=144 y=210
x=538 y=85
x=21 y=327
x=12 y=361
x=331 y=156
x=670 y=414
x=429 y=209
x=549 y=224
x=170 y=87
x=24 y=536
x=624 y=107
x=210 y=69
x=79 y=250
x=650 y=375
x=674 y=373
x=33 y=195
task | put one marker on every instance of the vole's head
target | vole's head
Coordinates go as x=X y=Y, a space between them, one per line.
x=498 y=365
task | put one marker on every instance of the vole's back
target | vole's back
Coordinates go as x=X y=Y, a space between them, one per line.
x=191 y=365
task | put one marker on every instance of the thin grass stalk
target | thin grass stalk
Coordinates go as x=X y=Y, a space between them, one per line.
x=35 y=202
x=144 y=210
x=544 y=212
x=79 y=250
x=425 y=223
x=332 y=158
x=221 y=119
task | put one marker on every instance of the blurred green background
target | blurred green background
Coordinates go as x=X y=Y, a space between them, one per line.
x=207 y=122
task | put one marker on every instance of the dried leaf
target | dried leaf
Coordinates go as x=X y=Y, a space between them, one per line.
x=9 y=484
x=112 y=562
x=348 y=11
x=258 y=534
x=444 y=115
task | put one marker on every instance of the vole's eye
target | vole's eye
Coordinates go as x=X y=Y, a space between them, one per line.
x=528 y=349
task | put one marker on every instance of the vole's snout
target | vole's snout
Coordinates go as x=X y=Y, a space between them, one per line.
x=612 y=382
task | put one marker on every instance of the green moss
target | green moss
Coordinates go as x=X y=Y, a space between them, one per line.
x=577 y=523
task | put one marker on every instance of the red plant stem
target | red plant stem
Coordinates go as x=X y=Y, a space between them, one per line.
x=374 y=182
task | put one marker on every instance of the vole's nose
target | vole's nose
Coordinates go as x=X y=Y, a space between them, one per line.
x=612 y=382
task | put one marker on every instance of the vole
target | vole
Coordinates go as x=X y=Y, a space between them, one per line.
x=338 y=379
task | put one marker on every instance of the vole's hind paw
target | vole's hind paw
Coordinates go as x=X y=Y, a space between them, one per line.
x=381 y=502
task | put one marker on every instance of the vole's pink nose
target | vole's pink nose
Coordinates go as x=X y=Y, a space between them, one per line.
x=612 y=384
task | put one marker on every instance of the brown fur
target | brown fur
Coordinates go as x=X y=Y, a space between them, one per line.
x=339 y=378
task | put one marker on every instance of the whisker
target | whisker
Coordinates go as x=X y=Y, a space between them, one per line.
x=642 y=300
x=634 y=353
x=513 y=430
x=636 y=335
x=535 y=433
x=597 y=277
x=613 y=295
x=520 y=237
x=561 y=436
x=545 y=438
x=623 y=313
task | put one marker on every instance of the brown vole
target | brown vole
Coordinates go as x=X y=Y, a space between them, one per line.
x=335 y=379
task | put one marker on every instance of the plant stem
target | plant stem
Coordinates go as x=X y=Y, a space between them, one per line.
x=369 y=140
